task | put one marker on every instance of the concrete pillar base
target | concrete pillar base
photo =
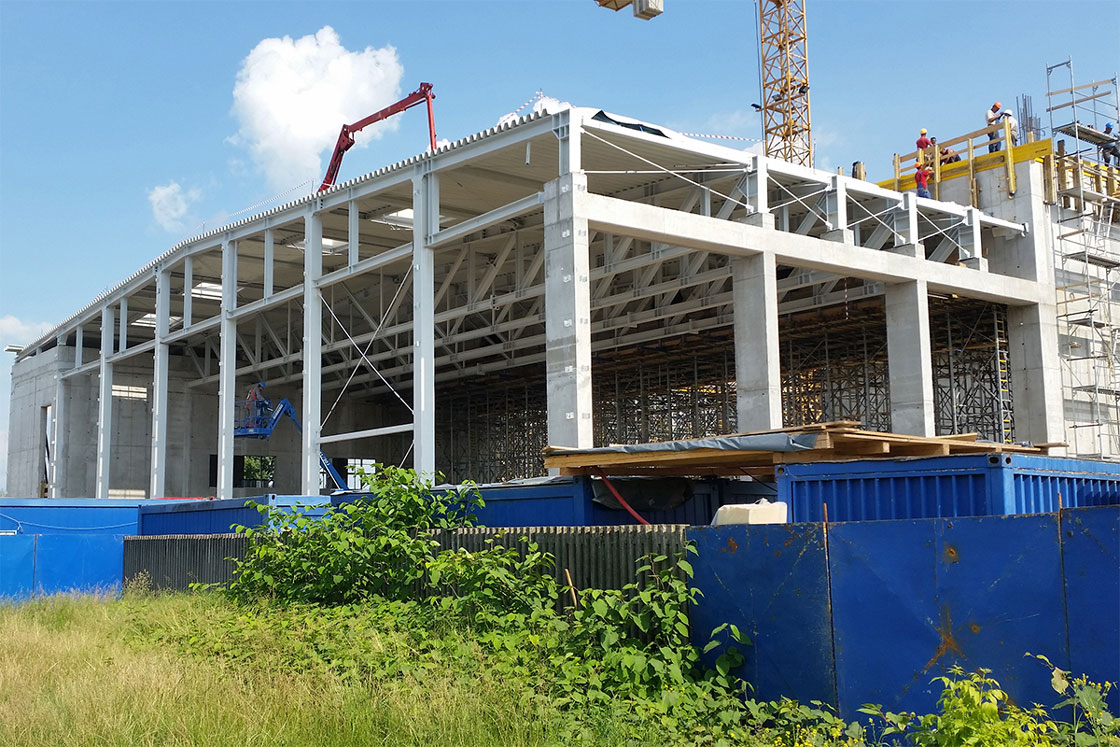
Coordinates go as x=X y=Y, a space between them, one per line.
x=909 y=250
x=762 y=220
x=840 y=235
x=975 y=263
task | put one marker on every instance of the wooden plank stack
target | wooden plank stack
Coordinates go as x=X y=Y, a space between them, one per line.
x=837 y=441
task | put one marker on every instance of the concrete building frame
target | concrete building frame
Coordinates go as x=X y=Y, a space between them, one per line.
x=536 y=243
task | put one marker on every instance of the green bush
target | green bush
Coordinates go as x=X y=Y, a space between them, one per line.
x=374 y=547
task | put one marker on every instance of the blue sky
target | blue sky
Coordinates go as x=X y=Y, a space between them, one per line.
x=107 y=106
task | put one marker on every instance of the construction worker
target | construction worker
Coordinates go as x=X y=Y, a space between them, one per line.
x=1110 y=150
x=923 y=141
x=992 y=116
x=945 y=153
x=921 y=179
x=1006 y=114
x=254 y=404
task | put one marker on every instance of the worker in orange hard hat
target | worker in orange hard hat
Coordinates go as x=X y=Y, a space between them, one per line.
x=991 y=117
x=921 y=179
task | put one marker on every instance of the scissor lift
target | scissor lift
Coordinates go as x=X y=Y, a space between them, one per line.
x=258 y=419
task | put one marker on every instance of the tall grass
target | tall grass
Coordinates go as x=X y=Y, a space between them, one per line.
x=73 y=673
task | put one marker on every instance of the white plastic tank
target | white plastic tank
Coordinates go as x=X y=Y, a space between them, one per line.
x=763 y=512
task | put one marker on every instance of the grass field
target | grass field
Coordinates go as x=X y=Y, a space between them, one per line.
x=73 y=671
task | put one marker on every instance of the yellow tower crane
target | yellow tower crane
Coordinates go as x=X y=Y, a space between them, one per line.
x=784 y=56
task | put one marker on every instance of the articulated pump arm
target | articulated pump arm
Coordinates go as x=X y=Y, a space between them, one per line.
x=346 y=137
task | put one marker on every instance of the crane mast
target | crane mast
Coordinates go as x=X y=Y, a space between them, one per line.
x=784 y=56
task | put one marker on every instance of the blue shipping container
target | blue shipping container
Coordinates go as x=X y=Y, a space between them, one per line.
x=219 y=517
x=949 y=486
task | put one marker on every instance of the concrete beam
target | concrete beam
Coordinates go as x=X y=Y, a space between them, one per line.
x=732 y=238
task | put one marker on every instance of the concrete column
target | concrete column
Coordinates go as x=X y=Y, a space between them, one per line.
x=227 y=370
x=757 y=195
x=79 y=346
x=158 y=486
x=425 y=222
x=59 y=413
x=906 y=227
x=269 y=261
x=105 y=406
x=758 y=375
x=909 y=359
x=353 y=233
x=1036 y=374
x=567 y=292
x=188 y=287
x=122 y=344
x=968 y=239
x=568 y=133
x=312 y=353
x=836 y=207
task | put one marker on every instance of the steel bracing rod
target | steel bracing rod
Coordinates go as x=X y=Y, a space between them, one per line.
x=365 y=358
x=670 y=172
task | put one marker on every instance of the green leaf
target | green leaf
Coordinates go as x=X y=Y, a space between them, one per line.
x=711 y=645
x=685 y=566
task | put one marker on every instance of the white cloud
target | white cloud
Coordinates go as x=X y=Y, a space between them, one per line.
x=170 y=203
x=292 y=96
x=15 y=331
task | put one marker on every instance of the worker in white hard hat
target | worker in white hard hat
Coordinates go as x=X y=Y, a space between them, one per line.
x=1007 y=115
x=1110 y=150
x=992 y=116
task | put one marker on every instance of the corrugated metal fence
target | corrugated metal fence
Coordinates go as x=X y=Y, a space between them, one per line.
x=596 y=557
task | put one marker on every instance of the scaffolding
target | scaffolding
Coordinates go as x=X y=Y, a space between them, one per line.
x=834 y=367
x=1085 y=194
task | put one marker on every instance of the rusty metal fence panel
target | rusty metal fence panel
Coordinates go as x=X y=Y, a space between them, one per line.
x=596 y=557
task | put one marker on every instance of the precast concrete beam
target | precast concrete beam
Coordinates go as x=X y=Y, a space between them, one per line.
x=735 y=238
x=909 y=360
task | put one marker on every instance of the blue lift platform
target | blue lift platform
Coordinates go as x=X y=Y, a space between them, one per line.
x=258 y=419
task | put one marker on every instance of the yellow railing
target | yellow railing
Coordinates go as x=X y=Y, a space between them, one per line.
x=930 y=158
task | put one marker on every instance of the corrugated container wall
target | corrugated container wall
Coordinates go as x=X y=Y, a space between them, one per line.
x=963 y=485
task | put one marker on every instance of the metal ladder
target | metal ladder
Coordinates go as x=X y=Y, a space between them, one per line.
x=1003 y=373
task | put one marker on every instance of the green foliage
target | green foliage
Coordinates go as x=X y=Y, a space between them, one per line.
x=973 y=710
x=375 y=547
x=1092 y=725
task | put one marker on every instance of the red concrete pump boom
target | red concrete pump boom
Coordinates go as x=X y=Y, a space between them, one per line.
x=346 y=137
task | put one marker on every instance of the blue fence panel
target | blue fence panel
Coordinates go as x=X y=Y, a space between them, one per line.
x=81 y=562
x=885 y=617
x=17 y=565
x=1091 y=556
x=68 y=515
x=1000 y=596
x=772 y=582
